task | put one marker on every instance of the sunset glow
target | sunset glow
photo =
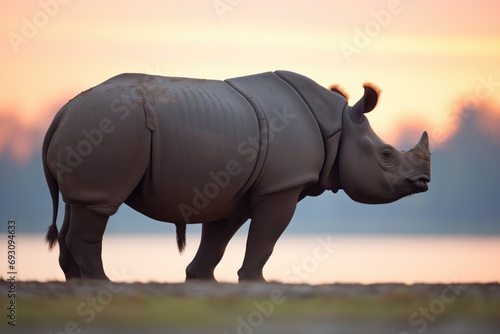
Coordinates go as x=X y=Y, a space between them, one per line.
x=360 y=259
x=429 y=60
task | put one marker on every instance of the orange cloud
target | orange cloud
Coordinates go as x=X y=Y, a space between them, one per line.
x=21 y=137
x=408 y=133
x=15 y=137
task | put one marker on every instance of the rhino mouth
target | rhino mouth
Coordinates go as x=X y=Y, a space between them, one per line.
x=420 y=182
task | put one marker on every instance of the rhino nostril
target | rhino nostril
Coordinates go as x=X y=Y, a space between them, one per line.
x=420 y=179
x=425 y=179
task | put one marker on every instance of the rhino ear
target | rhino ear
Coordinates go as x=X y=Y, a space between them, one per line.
x=339 y=90
x=366 y=103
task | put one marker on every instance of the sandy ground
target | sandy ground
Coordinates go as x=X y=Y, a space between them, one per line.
x=252 y=308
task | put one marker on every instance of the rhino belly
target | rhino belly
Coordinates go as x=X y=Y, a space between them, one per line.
x=202 y=159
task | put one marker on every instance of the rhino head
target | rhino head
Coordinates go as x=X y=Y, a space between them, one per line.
x=371 y=171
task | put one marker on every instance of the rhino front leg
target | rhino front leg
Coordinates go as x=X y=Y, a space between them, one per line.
x=270 y=217
x=214 y=238
x=84 y=240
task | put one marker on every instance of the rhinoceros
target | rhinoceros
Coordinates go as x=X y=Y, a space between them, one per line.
x=218 y=153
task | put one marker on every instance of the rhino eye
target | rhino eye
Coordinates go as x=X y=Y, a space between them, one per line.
x=386 y=155
x=388 y=158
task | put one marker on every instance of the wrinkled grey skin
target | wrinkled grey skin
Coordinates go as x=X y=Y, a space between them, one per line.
x=213 y=152
x=378 y=173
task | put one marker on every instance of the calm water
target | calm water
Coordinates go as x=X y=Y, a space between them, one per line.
x=296 y=259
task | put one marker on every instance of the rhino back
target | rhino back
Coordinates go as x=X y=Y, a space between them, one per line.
x=327 y=107
x=197 y=168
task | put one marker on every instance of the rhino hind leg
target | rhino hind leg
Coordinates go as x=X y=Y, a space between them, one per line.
x=214 y=238
x=66 y=259
x=84 y=240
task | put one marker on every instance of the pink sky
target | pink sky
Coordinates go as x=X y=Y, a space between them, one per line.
x=429 y=57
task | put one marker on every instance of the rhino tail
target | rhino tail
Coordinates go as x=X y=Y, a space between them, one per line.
x=52 y=232
x=180 y=230
x=51 y=236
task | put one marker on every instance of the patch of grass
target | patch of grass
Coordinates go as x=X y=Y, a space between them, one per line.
x=156 y=311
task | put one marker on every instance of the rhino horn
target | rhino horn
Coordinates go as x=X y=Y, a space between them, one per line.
x=422 y=147
x=366 y=103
